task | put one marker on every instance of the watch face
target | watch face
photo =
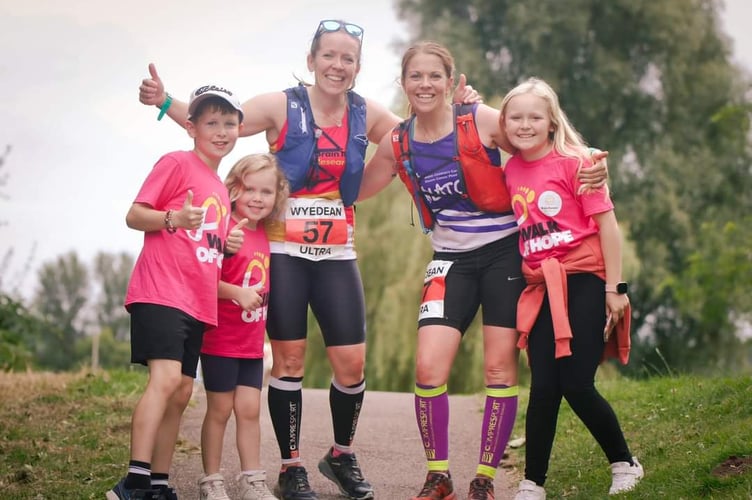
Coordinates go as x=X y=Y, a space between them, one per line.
x=622 y=288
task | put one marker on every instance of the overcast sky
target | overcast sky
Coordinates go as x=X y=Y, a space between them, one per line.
x=81 y=142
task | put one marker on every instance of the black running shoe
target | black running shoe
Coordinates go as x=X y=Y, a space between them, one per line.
x=345 y=472
x=120 y=492
x=293 y=485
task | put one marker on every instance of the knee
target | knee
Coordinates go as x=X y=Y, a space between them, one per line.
x=289 y=364
x=502 y=374
x=182 y=396
x=351 y=372
x=219 y=414
x=166 y=384
x=429 y=373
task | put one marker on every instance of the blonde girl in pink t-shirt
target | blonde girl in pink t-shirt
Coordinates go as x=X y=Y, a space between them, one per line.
x=232 y=353
x=556 y=216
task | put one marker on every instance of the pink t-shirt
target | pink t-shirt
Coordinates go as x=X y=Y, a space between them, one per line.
x=552 y=217
x=181 y=270
x=240 y=334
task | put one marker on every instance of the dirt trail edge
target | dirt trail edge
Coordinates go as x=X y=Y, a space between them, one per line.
x=387 y=445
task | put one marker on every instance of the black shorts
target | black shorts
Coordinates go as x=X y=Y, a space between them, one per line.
x=222 y=374
x=161 y=332
x=457 y=283
x=333 y=289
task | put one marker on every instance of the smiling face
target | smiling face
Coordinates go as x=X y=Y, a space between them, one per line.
x=257 y=196
x=335 y=61
x=527 y=122
x=214 y=134
x=426 y=82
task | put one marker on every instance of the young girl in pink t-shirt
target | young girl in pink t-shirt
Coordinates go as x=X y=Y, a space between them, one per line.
x=571 y=248
x=232 y=352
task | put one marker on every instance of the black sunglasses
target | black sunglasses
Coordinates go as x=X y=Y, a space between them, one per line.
x=331 y=25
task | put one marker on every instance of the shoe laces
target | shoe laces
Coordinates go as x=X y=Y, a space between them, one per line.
x=480 y=488
x=433 y=482
x=259 y=489
x=350 y=464
x=299 y=477
x=216 y=489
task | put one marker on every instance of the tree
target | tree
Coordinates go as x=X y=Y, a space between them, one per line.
x=17 y=324
x=60 y=300
x=652 y=82
x=112 y=273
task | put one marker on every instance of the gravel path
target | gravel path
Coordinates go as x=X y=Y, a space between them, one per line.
x=387 y=446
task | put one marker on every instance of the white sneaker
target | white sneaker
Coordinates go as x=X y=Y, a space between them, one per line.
x=212 y=487
x=624 y=476
x=528 y=490
x=253 y=487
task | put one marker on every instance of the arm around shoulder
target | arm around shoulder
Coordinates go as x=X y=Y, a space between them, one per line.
x=379 y=121
x=379 y=171
x=264 y=112
x=487 y=121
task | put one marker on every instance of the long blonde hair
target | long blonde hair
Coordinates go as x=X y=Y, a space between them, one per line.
x=256 y=163
x=565 y=139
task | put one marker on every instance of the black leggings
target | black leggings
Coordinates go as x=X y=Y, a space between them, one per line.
x=334 y=290
x=571 y=377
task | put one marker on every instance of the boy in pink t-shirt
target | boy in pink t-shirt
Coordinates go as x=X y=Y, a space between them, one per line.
x=184 y=211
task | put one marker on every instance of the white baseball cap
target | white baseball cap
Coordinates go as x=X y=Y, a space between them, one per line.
x=205 y=91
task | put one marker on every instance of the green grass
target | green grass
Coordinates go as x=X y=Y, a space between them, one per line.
x=66 y=436
x=680 y=428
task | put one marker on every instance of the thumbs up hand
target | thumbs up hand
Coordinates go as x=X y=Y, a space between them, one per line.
x=189 y=217
x=235 y=237
x=151 y=91
x=464 y=93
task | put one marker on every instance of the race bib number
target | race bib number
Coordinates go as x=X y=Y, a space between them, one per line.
x=434 y=288
x=315 y=228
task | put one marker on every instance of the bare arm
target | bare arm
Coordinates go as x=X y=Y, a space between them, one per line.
x=379 y=121
x=143 y=217
x=247 y=298
x=610 y=237
x=258 y=112
x=379 y=171
x=487 y=121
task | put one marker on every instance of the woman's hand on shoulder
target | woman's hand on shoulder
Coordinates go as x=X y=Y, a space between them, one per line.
x=596 y=176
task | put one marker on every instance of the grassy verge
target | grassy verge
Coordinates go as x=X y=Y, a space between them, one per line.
x=66 y=436
x=680 y=428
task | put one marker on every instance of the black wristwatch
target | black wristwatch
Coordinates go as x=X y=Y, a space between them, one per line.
x=621 y=288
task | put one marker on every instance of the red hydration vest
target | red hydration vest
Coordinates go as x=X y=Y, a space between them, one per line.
x=480 y=180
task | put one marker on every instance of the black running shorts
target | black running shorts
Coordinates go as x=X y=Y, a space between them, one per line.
x=161 y=332
x=458 y=283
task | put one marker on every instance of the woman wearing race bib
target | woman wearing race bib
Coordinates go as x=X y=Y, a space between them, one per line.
x=476 y=261
x=319 y=133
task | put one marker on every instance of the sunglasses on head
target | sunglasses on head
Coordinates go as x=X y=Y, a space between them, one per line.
x=331 y=25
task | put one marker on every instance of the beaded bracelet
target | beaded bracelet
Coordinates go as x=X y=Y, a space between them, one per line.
x=168 y=222
x=165 y=106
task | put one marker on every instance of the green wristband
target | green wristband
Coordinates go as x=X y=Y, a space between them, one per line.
x=165 y=106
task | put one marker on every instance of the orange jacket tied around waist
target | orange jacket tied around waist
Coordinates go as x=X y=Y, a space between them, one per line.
x=551 y=276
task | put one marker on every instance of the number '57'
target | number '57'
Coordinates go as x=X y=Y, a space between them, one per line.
x=313 y=228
